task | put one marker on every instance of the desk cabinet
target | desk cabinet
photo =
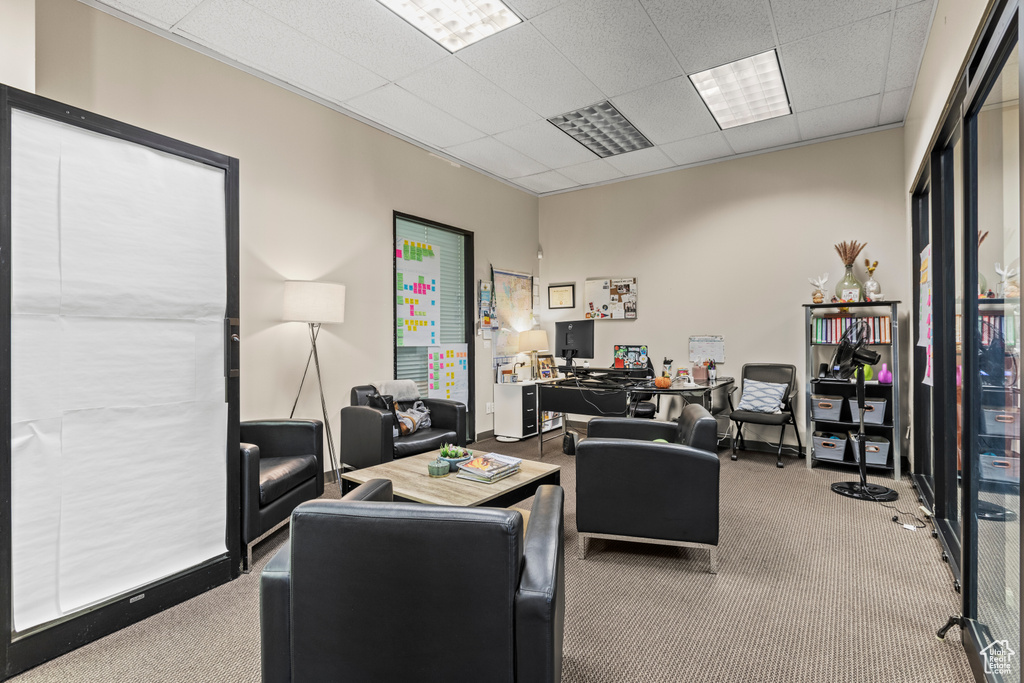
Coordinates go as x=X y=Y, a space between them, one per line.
x=516 y=411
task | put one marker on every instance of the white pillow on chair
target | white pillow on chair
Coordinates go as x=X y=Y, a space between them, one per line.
x=762 y=397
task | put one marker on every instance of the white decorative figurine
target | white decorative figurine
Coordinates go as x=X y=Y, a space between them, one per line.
x=818 y=295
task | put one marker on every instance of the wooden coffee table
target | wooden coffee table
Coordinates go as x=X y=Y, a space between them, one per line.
x=410 y=482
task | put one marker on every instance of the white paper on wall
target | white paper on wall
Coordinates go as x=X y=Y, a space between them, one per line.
x=35 y=521
x=448 y=372
x=35 y=163
x=35 y=367
x=142 y=233
x=132 y=511
x=126 y=362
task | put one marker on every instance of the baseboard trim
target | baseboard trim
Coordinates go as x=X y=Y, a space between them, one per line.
x=489 y=434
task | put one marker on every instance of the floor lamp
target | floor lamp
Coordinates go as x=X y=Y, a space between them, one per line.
x=315 y=303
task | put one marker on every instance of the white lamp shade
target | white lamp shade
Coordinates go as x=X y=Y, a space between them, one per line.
x=533 y=340
x=314 y=302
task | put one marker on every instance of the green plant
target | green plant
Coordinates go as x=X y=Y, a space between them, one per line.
x=452 y=451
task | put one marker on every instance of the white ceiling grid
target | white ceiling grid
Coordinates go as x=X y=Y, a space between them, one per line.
x=849 y=66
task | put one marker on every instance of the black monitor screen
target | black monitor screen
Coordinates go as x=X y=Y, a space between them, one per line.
x=575 y=336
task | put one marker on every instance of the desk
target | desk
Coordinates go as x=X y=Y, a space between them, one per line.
x=568 y=396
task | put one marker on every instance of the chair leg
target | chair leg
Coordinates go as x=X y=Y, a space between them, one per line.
x=247 y=559
x=581 y=547
x=737 y=434
x=782 y=436
x=713 y=558
x=796 y=428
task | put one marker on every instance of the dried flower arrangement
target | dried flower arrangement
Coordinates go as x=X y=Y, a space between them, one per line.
x=849 y=251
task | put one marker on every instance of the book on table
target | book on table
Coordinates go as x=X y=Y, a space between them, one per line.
x=489 y=467
x=485 y=480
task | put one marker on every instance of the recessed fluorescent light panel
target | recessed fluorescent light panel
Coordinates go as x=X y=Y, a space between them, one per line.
x=602 y=129
x=455 y=23
x=745 y=91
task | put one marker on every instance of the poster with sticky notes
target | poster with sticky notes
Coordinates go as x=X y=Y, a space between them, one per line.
x=417 y=294
x=448 y=372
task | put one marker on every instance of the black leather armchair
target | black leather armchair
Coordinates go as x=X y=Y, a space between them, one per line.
x=637 y=490
x=775 y=374
x=367 y=433
x=370 y=590
x=282 y=466
x=694 y=427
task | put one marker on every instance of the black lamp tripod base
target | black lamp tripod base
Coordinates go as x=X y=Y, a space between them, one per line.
x=874 y=492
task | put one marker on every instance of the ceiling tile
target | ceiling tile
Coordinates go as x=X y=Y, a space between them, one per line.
x=531 y=8
x=909 y=34
x=549 y=181
x=235 y=29
x=595 y=171
x=499 y=159
x=667 y=111
x=613 y=42
x=407 y=114
x=640 y=161
x=894 y=106
x=904 y=3
x=542 y=141
x=838 y=65
x=701 y=148
x=162 y=13
x=366 y=32
x=453 y=87
x=839 y=118
x=795 y=19
x=763 y=134
x=521 y=62
x=707 y=33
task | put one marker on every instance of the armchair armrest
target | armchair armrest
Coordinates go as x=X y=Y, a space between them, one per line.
x=275 y=617
x=367 y=436
x=540 y=600
x=448 y=414
x=698 y=428
x=249 y=455
x=632 y=428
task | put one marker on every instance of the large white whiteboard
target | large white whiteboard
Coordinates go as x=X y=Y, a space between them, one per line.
x=119 y=425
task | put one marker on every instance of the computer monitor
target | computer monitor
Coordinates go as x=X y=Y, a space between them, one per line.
x=574 y=339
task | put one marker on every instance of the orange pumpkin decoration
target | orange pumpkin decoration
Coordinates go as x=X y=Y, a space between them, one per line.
x=663 y=382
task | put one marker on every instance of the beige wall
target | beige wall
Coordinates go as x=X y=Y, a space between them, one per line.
x=317 y=194
x=18 y=44
x=727 y=248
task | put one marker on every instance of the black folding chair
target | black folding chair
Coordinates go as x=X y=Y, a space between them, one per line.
x=775 y=374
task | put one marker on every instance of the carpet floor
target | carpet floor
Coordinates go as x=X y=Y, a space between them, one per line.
x=811 y=587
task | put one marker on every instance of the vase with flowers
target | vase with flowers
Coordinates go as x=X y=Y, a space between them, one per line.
x=849 y=288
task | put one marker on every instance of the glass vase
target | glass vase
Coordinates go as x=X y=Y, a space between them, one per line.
x=872 y=290
x=849 y=288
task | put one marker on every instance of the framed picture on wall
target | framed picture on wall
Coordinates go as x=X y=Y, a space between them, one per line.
x=562 y=296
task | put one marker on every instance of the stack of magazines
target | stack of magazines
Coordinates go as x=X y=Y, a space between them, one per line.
x=489 y=468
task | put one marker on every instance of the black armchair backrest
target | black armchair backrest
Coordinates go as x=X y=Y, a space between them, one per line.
x=775 y=373
x=359 y=394
x=698 y=428
x=402 y=591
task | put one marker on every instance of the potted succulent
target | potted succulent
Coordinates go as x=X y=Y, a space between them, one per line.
x=454 y=455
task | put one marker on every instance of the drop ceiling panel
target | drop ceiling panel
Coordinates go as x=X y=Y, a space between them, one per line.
x=613 y=42
x=843 y=64
x=667 y=111
x=596 y=171
x=894 y=106
x=640 y=161
x=695 y=150
x=839 y=118
x=237 y=30
x=453 y=87
x=405 y=113
x=502 y=160
x=531 y=8
x=707 y=33
x=763 y=134
x=542 y=141
x=549 y=181
x=524 y=64
x=795 y=19
x=162 y=13
x=365 y=31
x=909 y=33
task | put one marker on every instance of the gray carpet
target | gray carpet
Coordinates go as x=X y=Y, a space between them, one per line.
x=810 y=587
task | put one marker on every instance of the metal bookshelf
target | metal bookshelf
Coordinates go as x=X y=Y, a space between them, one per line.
x=818 y=353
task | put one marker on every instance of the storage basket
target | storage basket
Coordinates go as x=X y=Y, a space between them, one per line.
x=876 y=449
x=874 y=410
x=826 y=407
x=829 y=446
x=1000 y=468
x=1000 y=422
